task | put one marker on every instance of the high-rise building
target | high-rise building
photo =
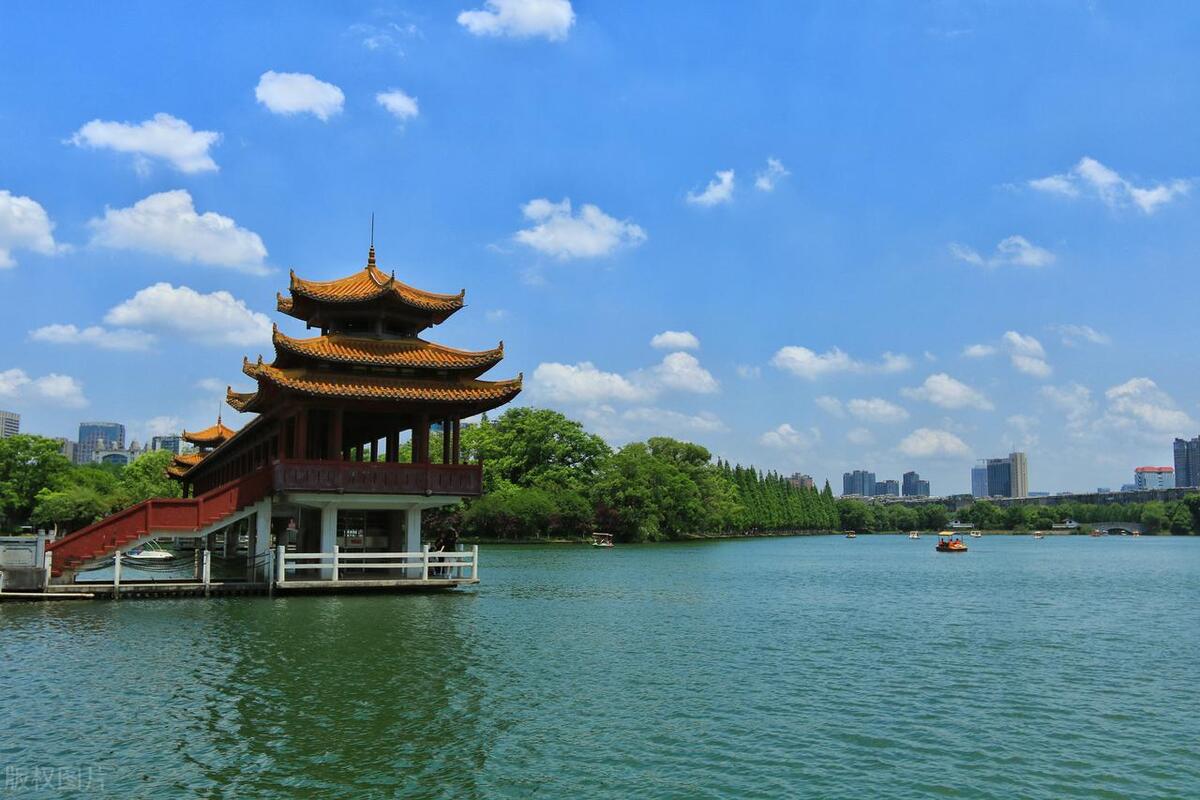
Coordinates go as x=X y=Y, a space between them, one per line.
x=979 y=484
x=913 y=486
x=95 y=436
x=999 y=477
x=1187 y=462
x=1154 y=478
x=10 y=423
x=1019 y=472
x=860 y=482
x=801 y=481
x=887 y=488
x=66 y=447
x=172 y=444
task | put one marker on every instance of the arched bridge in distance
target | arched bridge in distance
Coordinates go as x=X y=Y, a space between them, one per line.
x=1115 y=528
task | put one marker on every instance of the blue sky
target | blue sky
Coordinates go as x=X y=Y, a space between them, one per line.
x=896 y=236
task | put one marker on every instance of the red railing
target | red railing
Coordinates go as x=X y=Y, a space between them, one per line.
x=159 y=514
x=378 y=477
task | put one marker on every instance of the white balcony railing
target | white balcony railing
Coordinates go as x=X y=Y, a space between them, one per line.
x=426 y=565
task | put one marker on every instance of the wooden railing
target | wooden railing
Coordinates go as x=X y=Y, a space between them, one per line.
x=378 y=477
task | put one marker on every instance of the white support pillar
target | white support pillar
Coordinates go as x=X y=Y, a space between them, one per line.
x=425 y=562
x=281 y=563
x=47 y=563
x=412 y=537
x=206 y=570
x=475 y=562
x=328 y=537
x=117 y=575
x=335 y=562
x=261 y=545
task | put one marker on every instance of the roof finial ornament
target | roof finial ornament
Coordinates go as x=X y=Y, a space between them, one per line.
x=371 y=252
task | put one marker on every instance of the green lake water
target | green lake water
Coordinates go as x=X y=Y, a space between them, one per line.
x=790 y=667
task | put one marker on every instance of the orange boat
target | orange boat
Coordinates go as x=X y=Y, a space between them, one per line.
x=949 y=543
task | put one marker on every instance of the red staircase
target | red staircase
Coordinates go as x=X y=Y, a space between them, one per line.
x=158 y=515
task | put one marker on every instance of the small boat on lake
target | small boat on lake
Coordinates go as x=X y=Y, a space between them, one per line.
x=914 y=535
x=976 y=535
x=602 y=540
x=851 y=535
x=1039 y=535
x=151 y=551
x=949 y=542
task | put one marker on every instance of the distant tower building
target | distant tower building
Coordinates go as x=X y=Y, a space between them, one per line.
x=979 y=484
x=999 y=477
x=10 y=424
x=1187 y=462
x=1154 y=478
x=922 y=488
x=911 y=485
x=1019 y=467
x=801 y=481
x=95 y=436
x=66 y=447
x=887 y=488
x=172 y=444
x=860 y=482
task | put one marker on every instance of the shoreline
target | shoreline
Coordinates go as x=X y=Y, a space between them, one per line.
x=782 y=534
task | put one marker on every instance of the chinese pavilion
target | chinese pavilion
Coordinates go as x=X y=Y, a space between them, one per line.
x=321 y=467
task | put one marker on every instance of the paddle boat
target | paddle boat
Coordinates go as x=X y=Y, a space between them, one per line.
x=150 y=551
x=976 y=535
x=914 y=535
x=851 y=535
x=1039 y=535
x=949 y=542
x=602 y=540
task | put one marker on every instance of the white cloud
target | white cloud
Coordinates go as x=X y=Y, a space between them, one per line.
x=1027 y=354
x=217 y=318
x=400 y=105
x=830 y=405
x=59 y=390
x=876 y=409
x=719 y=190
x=164 y=137
x=979 y=351
x=588 y=234
x=774 y=172
x=25 y=225
x=749 y=371
x=665 y=419
x=932 y=443
x=946 y=392
x=164 y=425
x=860 y=436
x=520 y=19
x=167 y=224
x=811 y=365
x=785 y=437
x=496 y=314
x=1075 y=401
x=675 y=340
x=682 y=371
x=1014 y=251
x=1092 y=178
x=298 y=93
x=384 y=37
x=583 y=383
x=1074 y=334
x=94 y=336
x=1023 y=427
x=1139 y=405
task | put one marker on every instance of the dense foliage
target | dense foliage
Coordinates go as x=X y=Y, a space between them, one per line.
x=39 y=486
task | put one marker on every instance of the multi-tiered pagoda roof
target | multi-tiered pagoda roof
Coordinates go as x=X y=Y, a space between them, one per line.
x=205 y=442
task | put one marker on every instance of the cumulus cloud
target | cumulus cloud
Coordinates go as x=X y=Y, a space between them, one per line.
x=165 y=138
x=932 y=443
x=1092 y=179
x=1138 y=405
x=667 y=420
x=979 y=351
x=217 y=318
x=1075 y=401
x=1027 y=354
x=520 y=19
x=876 y=409
x=60 y=390
x=584 y=383
x=830 y=405
x=399 y=104
x=719 y=190
x=682 y=371
x=946 y=392
x=167 y=224
x=1076 y=334
x=590 y=233
x=675 y=340
x=774 y=172
x=298 y=93
x=811 y=365
x=785 y=437
x=1014 y=251
x=860 y=436
x=25 y=225
x=93 y=336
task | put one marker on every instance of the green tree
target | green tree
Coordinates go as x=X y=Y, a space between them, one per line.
x=535 y=447
x=28 y=464
x=70 y=508
x=147 y=478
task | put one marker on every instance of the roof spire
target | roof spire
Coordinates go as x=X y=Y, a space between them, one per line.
x=371 y=252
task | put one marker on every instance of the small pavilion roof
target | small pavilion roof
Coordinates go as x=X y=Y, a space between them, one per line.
x=407 y=352
x=180 y=464
x=211 y=436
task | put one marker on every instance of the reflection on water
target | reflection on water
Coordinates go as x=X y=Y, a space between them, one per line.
x=763 y=668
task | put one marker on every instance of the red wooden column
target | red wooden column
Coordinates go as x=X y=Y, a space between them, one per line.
x=374 y=450
x=300 y=440
x=446 y=441
x=393 y=446
x=456 y=453
x=335 y=434
x=420 y=454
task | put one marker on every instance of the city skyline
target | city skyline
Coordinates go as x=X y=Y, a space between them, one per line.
x=646 y=279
